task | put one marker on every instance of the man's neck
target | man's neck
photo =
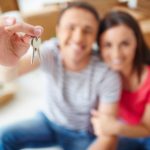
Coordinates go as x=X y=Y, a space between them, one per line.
x=75 y=66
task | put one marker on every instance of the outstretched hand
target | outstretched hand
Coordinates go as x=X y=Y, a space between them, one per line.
x=14 y=44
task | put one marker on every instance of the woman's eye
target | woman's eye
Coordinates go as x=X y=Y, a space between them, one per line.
x=125 y=43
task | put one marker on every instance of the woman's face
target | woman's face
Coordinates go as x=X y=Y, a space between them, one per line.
x=118 y=47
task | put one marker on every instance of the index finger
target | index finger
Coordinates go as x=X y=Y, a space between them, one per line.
x=25 y=28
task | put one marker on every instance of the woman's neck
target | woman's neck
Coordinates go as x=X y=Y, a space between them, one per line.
x=131 y=80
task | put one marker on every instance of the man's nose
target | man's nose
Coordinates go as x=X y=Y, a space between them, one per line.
x=78 y=35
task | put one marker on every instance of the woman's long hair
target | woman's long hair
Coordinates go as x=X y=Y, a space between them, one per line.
x=115 y=18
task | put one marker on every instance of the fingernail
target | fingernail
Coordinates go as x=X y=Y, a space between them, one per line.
x=38 y=31
x=8 y=21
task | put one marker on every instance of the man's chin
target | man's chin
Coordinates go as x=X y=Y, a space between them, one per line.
x=77 y=61
x=116 y=68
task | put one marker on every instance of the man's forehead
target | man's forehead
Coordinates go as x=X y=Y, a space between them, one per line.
x=78 y=16
x=78 y=23
x=77 y=12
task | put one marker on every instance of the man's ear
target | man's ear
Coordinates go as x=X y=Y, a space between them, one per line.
x=57 y=31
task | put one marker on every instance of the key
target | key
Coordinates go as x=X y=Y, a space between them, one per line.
x=35 y=42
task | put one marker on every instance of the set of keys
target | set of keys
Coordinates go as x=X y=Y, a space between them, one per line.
x=35 y=42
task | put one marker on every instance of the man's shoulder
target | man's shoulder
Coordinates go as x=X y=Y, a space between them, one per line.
x=102 y=70
x=50 y=45
x=53 y=41
x=98 y=64
x=49 y=52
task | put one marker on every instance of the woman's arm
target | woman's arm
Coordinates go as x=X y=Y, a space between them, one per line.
x=140 y=130
x=116 y=127
x=104 y=141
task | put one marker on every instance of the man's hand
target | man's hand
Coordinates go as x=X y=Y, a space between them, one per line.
x=13 y=45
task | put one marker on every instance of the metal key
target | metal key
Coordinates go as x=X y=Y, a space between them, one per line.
x=35 y=42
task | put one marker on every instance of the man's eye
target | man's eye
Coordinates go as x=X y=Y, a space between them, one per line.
x=71 y=28
x=88 y=31
x=107 y=45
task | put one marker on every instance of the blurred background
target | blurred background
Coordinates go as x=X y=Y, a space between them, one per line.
x=21 y=98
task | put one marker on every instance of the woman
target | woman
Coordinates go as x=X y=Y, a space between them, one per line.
x=123 y=48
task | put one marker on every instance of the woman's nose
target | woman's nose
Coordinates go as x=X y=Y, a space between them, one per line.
x=116 y=52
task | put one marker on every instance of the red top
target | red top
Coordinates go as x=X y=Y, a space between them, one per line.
x=132 y=104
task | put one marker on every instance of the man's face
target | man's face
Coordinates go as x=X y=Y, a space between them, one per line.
x=76 y=32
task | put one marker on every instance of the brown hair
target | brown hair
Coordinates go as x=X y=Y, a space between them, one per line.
x=116 y=18
x=80 y=5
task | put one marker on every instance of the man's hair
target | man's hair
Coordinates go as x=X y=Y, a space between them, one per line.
x=80 y=5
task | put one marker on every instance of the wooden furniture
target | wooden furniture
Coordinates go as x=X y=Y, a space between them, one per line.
x=46 y=17
x=145 y=26
x=142 y=17
x=144 y=6
x=7 y=92
x=8 y=5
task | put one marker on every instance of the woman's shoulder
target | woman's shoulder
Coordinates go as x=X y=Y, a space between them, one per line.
x=147 y=78
x=148 y=72
x=148 y=67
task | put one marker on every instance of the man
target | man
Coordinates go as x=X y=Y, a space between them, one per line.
x=76 y=83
